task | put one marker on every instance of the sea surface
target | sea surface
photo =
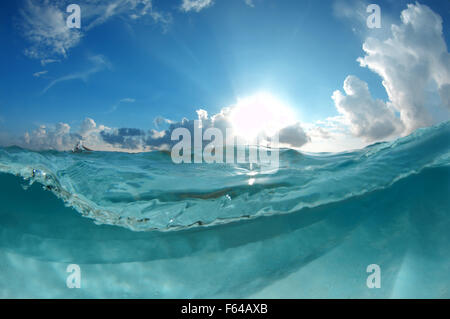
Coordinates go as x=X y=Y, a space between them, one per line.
x=140 y=226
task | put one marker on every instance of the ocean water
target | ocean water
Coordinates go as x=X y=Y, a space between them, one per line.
x=140 y=226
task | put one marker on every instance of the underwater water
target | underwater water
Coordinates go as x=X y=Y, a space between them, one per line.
x=140 y=226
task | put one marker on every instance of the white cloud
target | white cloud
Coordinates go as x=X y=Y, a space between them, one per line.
x=160 y=121
x=44 y=62
x=103 y=138
x=411 y=61
x=293 y=136
x=98 y=11
x=99 y=63
x=125 y=100
x=368 y=118
x=91 y=135
x=39 y=74
x=195 y=5
x=56 y=137
x=44 y=23
x=290 y=136
x=87 y=127
x=62 y=137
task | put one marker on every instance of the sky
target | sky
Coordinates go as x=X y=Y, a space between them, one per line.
x=312 y=71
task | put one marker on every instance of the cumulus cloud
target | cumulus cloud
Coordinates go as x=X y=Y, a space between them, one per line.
x=55 y=137
x=102 y=138
x=87 y=127
x=290 y=136
x=293 y=136
x=411 y=61
x=195 y=5
x=368 y=118
x=91 y=134
x=43 y=23
x=160 y=121
x=125 y=138
x=62 y=137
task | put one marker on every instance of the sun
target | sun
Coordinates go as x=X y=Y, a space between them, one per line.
x=258 y=114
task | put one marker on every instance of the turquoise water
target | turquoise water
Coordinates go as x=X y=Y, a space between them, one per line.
x=140 y=226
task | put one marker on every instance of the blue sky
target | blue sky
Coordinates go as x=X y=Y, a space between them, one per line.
x=171 y=61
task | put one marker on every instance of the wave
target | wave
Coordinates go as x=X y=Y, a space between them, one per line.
x=147 y=191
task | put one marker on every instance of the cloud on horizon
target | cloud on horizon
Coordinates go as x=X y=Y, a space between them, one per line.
x=102 y=138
